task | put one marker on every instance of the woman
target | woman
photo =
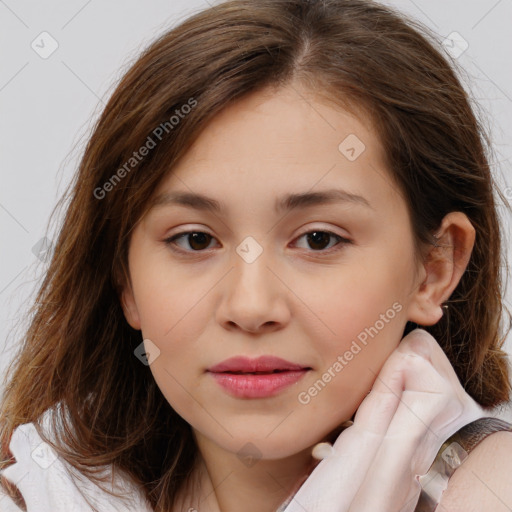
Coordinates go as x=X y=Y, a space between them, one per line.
x=224 y=133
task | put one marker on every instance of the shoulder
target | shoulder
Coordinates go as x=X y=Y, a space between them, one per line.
x=47 y=483
x=483 y=481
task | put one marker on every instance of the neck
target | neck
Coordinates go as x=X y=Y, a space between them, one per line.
x=229 y=485
x=223 y=482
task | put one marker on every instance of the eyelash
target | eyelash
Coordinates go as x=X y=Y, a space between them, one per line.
x=170 y=242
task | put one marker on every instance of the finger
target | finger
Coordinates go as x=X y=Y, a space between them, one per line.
x=422 y=343
x=377 y=410
x=462 y=407
x=389 y=483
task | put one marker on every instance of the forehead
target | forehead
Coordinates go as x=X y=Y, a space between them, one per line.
x=292 y=124
x=273 y=142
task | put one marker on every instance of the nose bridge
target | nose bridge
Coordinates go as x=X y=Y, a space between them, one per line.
x=251 y=261
x=252 y=296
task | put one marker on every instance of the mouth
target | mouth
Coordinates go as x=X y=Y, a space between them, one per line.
x=263 y=365
x=257 y=385
x=262 y=372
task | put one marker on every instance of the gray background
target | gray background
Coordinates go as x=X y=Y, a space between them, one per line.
x=48 y=106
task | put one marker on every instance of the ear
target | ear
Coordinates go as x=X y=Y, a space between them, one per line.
x=442 y=269
x=129 y=306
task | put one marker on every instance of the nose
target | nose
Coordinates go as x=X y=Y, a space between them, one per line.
x=254 y=297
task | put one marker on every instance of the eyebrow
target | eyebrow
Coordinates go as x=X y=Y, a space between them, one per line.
x=285 y=203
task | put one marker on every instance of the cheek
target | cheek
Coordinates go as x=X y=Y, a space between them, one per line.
x=173 y=315
x=351 y=363
x=169 y=298
x=357 y=304
x=364 y=319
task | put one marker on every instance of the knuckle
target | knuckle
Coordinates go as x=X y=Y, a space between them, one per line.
x=420 y=345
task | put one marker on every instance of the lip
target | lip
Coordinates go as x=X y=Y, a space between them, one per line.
x=263 y=385
x=260 y=364
x=277 y=374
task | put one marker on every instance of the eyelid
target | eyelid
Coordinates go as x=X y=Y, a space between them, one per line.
x=325 y=252
x=343 y=240
x=324 y=229
x=169 y=241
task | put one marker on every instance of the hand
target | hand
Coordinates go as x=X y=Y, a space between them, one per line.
x=416 y=403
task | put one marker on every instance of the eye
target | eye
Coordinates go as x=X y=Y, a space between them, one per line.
x=318 y=240
x=196 y=239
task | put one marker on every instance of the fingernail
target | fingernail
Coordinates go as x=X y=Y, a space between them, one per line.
x=420 y=348
x=322 y=450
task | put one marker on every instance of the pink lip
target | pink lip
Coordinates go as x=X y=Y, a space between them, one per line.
x=260 y=364
x=245 y=384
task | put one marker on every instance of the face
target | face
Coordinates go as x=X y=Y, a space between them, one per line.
x=325 y=284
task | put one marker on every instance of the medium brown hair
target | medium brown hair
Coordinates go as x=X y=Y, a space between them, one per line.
x=79 y=349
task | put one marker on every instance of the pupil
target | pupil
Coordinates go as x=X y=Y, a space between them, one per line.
x=318 y=237
x=198 y=238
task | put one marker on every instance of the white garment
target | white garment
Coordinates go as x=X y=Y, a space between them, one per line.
x=47 y=485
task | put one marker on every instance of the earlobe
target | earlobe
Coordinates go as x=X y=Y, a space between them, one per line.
x=130 y=307
x=444 y=266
